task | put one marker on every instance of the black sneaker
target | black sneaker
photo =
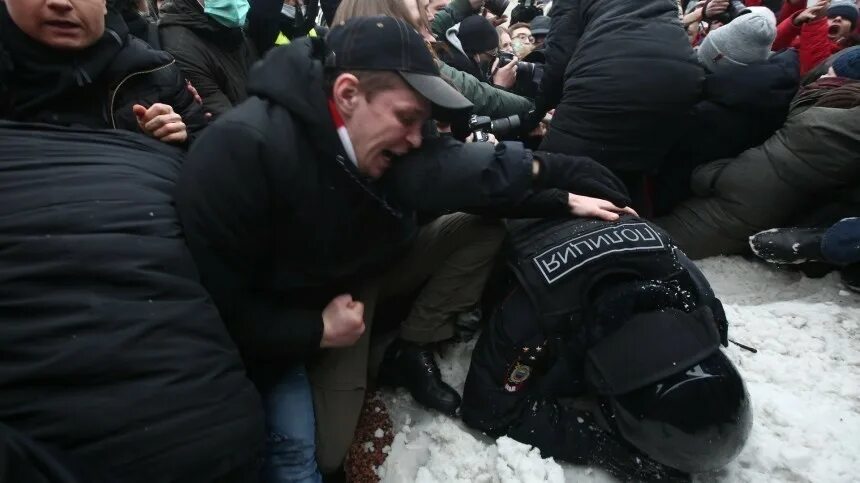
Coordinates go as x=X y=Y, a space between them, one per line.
x=788 y=246
x=412 y=366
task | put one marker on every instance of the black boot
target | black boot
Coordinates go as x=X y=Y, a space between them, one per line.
x=412 y=366
x=788 y=246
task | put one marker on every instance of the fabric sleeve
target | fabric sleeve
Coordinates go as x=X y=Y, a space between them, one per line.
x=453 y=14
x=815 y=46
x=201 y=77
x=561 y=43
x=225 y=224
x=487 y=100
x=786 y=32
x=184 y=104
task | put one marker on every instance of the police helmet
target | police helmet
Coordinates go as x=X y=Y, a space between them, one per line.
x=696 y=420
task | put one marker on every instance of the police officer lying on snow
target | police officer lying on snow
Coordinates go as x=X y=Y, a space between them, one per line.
x=606 y=353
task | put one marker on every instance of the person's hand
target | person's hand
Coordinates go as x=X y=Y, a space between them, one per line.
x=587 y=207
x=160 y=122
x=811 y=13
x=499 y=20
x=343 y=322
x=505 y=77
x=539 y=131
x=199 y=100
x=716 y=7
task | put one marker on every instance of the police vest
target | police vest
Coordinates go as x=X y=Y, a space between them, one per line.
x=560 y=263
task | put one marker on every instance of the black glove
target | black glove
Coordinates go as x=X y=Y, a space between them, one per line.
x=581 y=176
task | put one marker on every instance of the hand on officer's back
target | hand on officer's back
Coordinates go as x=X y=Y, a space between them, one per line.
x=587 y=207
x=161 y=122
x=343 y=322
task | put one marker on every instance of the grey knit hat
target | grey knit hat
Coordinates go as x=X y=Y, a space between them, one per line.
x=744 y=41
x=846 y=9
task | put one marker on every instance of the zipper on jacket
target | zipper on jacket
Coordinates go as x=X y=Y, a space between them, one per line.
x=118 y=86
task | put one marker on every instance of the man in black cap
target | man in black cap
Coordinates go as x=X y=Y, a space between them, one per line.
x=540 y=29
x=297 y=233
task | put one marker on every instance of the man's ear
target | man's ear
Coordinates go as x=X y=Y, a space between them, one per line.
x=104 y=7
x=346 y=94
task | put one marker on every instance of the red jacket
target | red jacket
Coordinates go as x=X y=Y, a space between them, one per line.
x=810 y=39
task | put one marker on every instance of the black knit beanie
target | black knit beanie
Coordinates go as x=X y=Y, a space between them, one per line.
x=477 y=35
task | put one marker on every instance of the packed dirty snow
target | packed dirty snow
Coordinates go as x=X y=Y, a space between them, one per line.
x=804 y=383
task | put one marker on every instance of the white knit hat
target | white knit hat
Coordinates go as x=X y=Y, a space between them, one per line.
x=745 y=40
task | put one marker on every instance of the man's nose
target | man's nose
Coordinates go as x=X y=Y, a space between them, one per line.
x=60 y=5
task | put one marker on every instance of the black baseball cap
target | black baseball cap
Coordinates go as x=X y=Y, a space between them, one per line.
x=389 y=44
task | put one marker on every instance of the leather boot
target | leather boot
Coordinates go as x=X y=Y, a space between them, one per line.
x=412 y=366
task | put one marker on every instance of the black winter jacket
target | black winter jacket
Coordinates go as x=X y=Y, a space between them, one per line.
x=280 y=221
x=740 y=108
x=94 y=88
x=623 y=78
x=216 y=59
x=112 y=351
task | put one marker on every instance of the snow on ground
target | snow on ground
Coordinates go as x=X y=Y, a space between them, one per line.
x=804 y=383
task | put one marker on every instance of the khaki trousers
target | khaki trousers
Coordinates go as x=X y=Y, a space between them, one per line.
x=453 y=255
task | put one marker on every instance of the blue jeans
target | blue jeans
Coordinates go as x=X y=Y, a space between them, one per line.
x=290 y=443
x=841 y=242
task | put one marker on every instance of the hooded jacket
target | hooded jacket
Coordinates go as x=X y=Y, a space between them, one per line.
x=113 y=353
x=623 y=77
x=740 y=108
x=216 y=59
x=96 y=87
x=814 y=156
x=454 y=55
x=280 y=221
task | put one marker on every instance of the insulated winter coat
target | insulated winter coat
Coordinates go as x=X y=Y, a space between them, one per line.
x=816 y=153
x=94 y=88
x=216 y=59
x=574 y=288
x=487 y=100
x=112 y=351
x=280 y=221
x=453 y=14
x=623 y=77
x=740 y=108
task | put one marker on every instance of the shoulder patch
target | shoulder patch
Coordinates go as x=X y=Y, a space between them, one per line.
x=517 y=376
x=563 y=259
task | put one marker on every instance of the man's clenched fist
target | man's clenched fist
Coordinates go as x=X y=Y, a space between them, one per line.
x=343 y=322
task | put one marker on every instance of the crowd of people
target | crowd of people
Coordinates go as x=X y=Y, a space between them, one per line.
x=210 y=207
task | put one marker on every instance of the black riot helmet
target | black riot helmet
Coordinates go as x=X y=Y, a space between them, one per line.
x=696 y=420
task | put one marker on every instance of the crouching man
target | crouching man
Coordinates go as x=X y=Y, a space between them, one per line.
x=607 y=353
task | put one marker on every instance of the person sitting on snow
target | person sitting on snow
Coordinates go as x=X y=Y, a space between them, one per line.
x=606 y=353
x=818 y=31
x=745 y=99
x=811 y=162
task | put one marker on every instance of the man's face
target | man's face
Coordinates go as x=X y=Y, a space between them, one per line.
x=60 y=24
x=539 y=40
x=434 y=7
x=523 y=34
x=838 y=27
x=505 y=43
x=386 y=126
